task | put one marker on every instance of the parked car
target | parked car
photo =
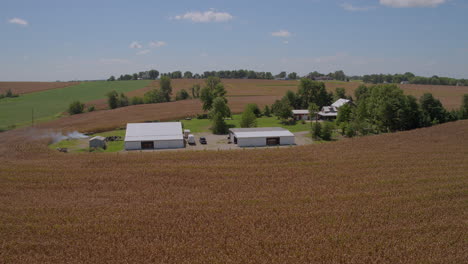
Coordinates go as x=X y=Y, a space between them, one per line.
x=191 y=139
x=203 y=140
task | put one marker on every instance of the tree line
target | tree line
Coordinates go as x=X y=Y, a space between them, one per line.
x=413 y=79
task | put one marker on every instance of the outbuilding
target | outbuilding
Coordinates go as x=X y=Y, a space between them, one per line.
x=261 y=136
x=161 y=135
x=301 y=114
x=97 y=142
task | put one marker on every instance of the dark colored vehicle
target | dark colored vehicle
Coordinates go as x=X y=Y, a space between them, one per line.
x=202 y=140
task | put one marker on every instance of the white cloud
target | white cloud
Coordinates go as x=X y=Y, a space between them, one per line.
x=18 y=21
x=204 y=17
x=143 y=52
x=135 y=45
x=412 y=3
x=157 y=44
x=350 y=7
x=281 y=33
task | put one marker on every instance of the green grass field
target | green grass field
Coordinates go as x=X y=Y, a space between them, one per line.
x=203 y=125
x=51 y=103
x=81 y=145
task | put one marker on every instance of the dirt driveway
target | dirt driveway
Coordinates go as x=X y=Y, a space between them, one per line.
x=221 y=142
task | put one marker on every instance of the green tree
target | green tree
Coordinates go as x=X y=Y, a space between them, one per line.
x=206 y=96
x=327 y=131
x=432 y=110
x=284 y=110
x=153 y=74
x=182 y=95
x=219 y=126
x=196 y=91
x=91 y=108
x=213 y=89
x=464 y=107
x=361 y=92
x=281 y=75
x=292 y=76
x=266 y=111
x=135 y=76
x=113 y=99
x=312 y=91
x=313 y=109
x=254 y=108
x=188 y=75
x=76 y=107
x=344 y=114
x=316 y=130
x=220 y=107
x=123 y=100
x=292 y=99
x=248 y=118
x=111 y=79
x=154 y=96
x=166 y=88
x=340 y=93
x=339 y=75
x=136 y=100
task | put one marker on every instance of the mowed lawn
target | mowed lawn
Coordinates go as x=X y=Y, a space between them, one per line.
x=203 y=125
x=51 y=103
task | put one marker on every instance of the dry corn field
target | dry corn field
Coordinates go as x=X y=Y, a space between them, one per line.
x=393 y=198
x=254 y=90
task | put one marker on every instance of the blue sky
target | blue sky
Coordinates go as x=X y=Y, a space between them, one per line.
x=65 y=40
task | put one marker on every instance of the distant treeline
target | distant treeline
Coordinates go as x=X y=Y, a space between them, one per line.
x=407 y=77
x=412 y=79
x=229 y=74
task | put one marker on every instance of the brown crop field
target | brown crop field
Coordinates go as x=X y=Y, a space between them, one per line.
x=31 y=87
x=392 y=198
x=110 y=119
x=450 y=96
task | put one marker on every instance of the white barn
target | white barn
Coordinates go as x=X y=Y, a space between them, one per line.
x=261 y=136
x=163 y=135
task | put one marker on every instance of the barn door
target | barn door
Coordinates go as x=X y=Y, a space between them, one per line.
x=273 y=141
x=147 y=145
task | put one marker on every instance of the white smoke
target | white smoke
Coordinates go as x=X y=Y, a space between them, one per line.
x=59 y=136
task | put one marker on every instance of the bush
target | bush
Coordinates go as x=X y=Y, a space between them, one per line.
x=289 y=121
x=316 y=130
x=254 y=108
x=123 y=100
x=350 y=131
x=266 y=111
x=113 y=99
x=91 y=108
x=136 y=100
x=327 y=131
x=248 y=118
x=202 y=116
x=182 y=95
x=76 y=107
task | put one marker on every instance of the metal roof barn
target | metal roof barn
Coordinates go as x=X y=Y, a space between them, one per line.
x=163 y=135
x=261 y=136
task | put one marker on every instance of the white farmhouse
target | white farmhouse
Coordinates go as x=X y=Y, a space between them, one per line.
x=163 y=135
